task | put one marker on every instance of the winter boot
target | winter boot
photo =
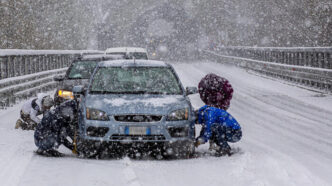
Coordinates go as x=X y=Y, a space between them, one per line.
x=49 y=153
x=223 y=150
x=213 y=146
x=18 y=124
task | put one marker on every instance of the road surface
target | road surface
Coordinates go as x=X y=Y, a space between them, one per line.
x=287 y=141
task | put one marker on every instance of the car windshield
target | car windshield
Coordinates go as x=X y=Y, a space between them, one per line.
x=81 y=69
x=135 y=80
x=137 y=55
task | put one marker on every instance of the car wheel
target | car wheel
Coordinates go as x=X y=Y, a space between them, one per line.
x=87 y=149
x=180 y=151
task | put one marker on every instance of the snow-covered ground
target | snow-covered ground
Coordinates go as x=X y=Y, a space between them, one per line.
x=287 y=141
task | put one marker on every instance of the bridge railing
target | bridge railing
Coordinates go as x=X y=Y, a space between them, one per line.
x=24 y=73
x=311 y=67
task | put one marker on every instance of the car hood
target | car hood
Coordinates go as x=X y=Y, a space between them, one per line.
x=68 y=84
x=137 y=104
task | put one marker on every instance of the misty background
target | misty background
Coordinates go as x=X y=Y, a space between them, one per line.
x=172 y=29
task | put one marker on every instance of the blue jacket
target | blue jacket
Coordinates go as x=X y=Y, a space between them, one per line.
x=207 y=116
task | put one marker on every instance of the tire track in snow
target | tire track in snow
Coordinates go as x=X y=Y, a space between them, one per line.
x=283 y=119
x=14 y=165
x=15 y=149
x=285 y=126
x=129 y=173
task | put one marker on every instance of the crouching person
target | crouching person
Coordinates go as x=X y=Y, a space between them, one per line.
x=218 y=126
x=54 y=129
x=31 y=109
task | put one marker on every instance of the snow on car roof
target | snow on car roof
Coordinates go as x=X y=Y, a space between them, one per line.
x=125 y=49
x=133 y=63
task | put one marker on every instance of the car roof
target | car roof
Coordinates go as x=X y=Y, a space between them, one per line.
x=125 y=49
x=100 y=57
x=133 y=63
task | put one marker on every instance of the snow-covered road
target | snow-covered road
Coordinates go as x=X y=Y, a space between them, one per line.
x=287 y=141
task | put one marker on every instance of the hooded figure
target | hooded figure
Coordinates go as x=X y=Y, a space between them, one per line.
x=31 y=109
x=54 y=129
x=215 y=91
x=218 y=126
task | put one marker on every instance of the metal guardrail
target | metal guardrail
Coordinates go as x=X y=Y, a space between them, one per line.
x=310 y=72
x=320 y=57
x=24 y=73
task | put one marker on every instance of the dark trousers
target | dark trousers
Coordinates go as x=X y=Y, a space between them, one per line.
x=222 y=134
x=47 y=142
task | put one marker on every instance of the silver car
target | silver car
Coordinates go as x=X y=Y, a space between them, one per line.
x=135 y=106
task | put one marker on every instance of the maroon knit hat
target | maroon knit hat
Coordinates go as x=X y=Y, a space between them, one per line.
x=215 y=91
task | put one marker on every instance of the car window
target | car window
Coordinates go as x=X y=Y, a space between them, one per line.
x=137 y=55
x=82 y=69
x=135 y=80
x=122 y=54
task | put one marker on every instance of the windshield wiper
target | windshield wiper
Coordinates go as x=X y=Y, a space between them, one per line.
x=78 y=78
x=125 y=92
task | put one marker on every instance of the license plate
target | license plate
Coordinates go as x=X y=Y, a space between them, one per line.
x=137 y=130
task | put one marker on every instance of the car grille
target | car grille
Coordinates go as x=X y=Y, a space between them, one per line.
x=138 y=137
x=137 y=118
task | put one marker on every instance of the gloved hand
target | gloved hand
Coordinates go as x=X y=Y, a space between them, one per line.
x=199 y=141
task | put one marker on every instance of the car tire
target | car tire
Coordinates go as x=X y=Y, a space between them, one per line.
x=180 y=151
x=87 y=149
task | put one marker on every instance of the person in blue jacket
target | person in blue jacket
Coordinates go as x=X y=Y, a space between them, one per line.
x=54 y=129
x=218 y=126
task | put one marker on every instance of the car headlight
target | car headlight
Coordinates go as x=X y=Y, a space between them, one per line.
x=65 y=94
x=178 y=115
x=94 y=114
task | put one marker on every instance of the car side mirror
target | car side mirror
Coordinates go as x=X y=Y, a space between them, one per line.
x=191 y=90
x=58 y=78
x=78 y=90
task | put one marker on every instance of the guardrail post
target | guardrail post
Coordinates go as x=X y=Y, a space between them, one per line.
x=38 y=63
x=10 y=68
x=49 y=59
x=300 y=56
x=310 y=59
x=62 y=61
x=59 y=62
x=32 y=65
x=297 y=58
x=3 y=67
x=20 y=66
x=320 y=60
x=43 y=61
x=329 y=60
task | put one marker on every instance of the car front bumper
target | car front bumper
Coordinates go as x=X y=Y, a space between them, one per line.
x=113 y=131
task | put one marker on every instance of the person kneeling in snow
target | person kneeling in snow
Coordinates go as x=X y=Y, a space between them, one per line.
x=218 y=125
x=54 y=129
x=31 y=109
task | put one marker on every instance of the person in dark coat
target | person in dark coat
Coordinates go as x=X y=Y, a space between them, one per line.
x=54 y=129
x=218 y=126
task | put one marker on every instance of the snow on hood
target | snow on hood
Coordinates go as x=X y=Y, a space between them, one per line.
x=130 y=104
x=152 y=101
